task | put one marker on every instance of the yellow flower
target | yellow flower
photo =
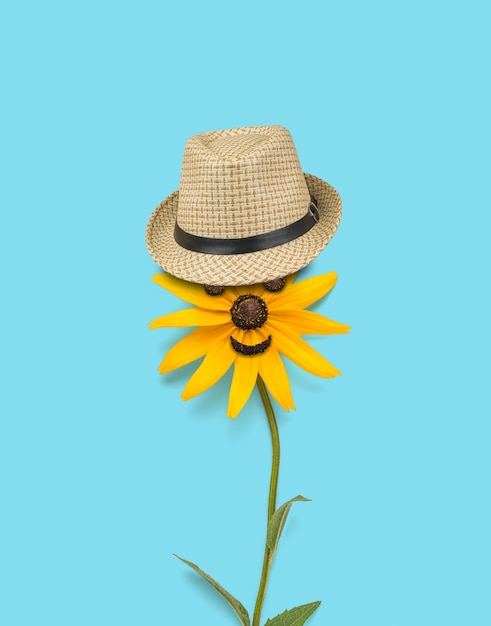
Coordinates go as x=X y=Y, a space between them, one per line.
x=249 y=327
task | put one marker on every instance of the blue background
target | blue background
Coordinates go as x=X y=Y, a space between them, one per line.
x=105 y=472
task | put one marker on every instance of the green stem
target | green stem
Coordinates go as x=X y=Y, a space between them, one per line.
x=273 y=485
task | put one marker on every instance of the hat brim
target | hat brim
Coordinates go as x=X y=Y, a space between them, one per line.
x=249 y=268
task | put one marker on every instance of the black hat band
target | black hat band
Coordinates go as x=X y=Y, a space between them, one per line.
x=255 y=243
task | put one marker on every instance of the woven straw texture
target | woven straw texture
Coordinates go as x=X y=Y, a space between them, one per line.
x=239 y=183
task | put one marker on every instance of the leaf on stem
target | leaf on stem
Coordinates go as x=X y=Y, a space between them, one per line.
x=239 y=608
x=278 y=520
x=294 y=617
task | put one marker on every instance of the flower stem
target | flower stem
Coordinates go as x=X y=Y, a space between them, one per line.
x=273 y=485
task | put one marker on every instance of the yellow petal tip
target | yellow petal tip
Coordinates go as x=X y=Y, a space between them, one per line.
x=156 y=278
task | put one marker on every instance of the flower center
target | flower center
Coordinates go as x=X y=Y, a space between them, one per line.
x=249 y=312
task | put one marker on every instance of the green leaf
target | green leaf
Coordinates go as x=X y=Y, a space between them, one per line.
x=278 y=520
x=294 y=617
x=239 y=609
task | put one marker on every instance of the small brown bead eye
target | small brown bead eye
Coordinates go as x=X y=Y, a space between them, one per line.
x=214 y=290
x=275 y=285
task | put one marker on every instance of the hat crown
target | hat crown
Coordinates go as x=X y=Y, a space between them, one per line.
x=226 y=146
x=241 y=182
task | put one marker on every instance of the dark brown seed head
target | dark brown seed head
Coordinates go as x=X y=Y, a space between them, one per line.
x=259 y=348
x=249 y=312
x=214 y=290
x=275 y=285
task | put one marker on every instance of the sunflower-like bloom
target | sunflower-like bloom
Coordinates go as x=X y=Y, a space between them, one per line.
x=248 y=327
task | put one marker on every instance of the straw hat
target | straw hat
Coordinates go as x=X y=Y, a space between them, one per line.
x=244 y=213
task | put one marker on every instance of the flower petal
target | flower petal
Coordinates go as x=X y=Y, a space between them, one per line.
x=302 y=294
x=215 y=365
x=192 y=293
x=308 y=322
x=192 y=347
x=274 y=374
x=272 y=296
x=248 y=337
x=299 y=351
x=246 y=369
x=191 y=317
x=242 y=290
